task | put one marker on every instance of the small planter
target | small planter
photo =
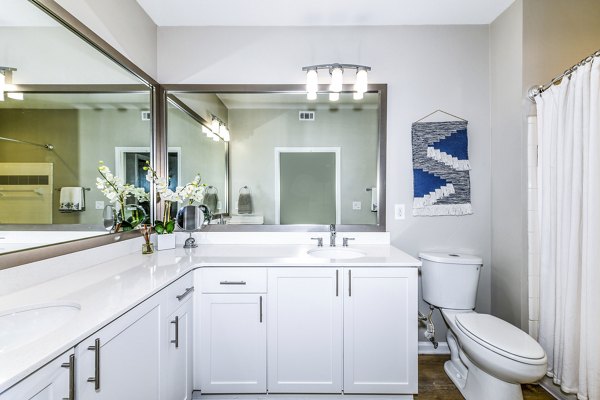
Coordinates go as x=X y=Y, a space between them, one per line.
x=165 y=241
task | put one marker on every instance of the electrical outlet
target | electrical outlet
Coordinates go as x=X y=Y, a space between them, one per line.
x=356 y=205
x=99 y=205
x=399 y=211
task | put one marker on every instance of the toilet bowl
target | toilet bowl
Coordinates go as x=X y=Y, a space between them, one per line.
x=489 y=358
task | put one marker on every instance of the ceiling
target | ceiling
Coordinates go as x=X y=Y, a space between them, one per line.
x=322 y=13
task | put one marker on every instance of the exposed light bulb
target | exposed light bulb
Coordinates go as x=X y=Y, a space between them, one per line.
x=311 y=95
x=214 y=126
x=358 y=95
x=15 y=95
x=215 y=138
x=334 y=96
x=312 y=81
x=361 y=80
x=225 y=133
x=337 y=79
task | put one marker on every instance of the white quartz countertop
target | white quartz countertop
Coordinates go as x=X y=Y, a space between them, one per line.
x=108 y=289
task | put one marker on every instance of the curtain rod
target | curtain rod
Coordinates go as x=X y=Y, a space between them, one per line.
x=47 y=146
x=537 y=90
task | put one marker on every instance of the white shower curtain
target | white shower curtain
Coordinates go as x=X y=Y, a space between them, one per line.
x=569 y=226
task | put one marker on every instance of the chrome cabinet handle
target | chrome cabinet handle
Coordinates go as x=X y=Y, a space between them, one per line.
x=337 y=283
x=232 y=282
x=261 y=312
x=184 y=294
x=176 y=341
x=71 y=366
x=96 y=379
x=349 y=283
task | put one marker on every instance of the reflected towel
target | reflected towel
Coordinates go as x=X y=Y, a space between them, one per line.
x=72 y=199
x=245 y=203
x=211 y=200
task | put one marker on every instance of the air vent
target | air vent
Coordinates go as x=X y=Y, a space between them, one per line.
x=306 y=115
x=146 y=115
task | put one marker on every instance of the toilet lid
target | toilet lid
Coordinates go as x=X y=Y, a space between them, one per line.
x=501 y=337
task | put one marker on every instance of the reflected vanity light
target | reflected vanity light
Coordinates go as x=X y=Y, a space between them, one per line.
x=218 y=130
x=6 y=79
x=336 y=71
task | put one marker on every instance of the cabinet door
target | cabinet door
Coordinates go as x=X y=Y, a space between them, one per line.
x=53 y=381
x=380 y=330
x=305 y=330
x=233 y=343
x=121 y=361
x=178 y=350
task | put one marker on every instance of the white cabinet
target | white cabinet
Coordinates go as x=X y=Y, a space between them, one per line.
x=177 y=371
x=233 y=343
x=380 y=330
x=305 y=330
x=122 y=360
x=54 y=381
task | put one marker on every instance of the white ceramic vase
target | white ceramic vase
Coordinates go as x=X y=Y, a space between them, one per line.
x=165 y=241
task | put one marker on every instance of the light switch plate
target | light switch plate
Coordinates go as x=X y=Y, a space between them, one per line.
x=356 y=205
x=99 y=205
x=399 y=211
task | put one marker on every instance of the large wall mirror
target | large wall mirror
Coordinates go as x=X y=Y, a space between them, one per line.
x=291 y=163
x=64 y=107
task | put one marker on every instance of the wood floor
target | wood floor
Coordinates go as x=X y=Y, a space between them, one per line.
x=434 y=384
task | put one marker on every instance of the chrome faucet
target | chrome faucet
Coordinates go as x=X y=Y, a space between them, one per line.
x=332 y=234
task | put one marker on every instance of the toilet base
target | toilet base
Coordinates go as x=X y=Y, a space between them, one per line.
x=477 y=384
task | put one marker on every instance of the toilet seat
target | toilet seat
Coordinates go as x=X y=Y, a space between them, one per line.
x=501 y=337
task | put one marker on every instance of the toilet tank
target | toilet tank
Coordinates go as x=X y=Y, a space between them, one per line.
x=450 y=280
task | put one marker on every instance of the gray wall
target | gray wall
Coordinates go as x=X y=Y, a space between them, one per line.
x=256 y=132
x=425 y=67
x=509 y=241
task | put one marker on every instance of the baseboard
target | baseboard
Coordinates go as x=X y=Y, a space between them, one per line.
x=427 y=348
x=554 y=390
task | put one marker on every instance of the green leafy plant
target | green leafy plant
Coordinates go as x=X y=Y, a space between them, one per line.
x=161 y=228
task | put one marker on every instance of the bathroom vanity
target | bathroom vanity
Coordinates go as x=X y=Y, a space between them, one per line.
x=220 y=319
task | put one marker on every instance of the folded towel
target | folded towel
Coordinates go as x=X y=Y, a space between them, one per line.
x=72 y=199
x=245 y=201
x=211 y=199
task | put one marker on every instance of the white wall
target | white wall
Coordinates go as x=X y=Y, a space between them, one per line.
x=425 y=67
x=121 y=23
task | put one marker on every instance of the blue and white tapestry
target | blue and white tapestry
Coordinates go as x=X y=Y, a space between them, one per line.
x=441 y=168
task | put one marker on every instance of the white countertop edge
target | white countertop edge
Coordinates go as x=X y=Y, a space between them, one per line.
x=210 y=261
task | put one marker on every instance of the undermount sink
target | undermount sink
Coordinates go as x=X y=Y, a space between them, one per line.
x=23 y=325
x=336 y=252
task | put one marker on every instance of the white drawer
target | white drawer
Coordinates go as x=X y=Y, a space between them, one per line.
x=179 y=292
x=234 y=280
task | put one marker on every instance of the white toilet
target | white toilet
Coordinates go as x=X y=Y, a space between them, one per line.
x=490 y=358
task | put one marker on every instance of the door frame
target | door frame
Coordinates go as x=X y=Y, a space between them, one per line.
x=338 y=185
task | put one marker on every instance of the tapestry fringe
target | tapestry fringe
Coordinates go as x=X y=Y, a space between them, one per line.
x=443 y=209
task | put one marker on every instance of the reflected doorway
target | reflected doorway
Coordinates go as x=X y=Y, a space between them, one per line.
x=307 y=185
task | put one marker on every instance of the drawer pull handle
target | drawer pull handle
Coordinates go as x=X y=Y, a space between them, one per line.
x=337 y=283
x=176 y=341
x=71 y=366
x=349 y=283
x=184 y=294
x=232 y=282
x=261 y=312
x=96 y=378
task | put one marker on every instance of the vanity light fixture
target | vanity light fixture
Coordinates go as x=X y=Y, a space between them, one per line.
x=336 y=71
x=6 y=79
x=218 y=130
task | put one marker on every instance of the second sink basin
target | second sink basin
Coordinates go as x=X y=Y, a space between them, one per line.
x=336 y=253
x=24 y=325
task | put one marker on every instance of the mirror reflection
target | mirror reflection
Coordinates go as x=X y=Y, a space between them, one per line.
x=60 y=116
x=290 y=161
